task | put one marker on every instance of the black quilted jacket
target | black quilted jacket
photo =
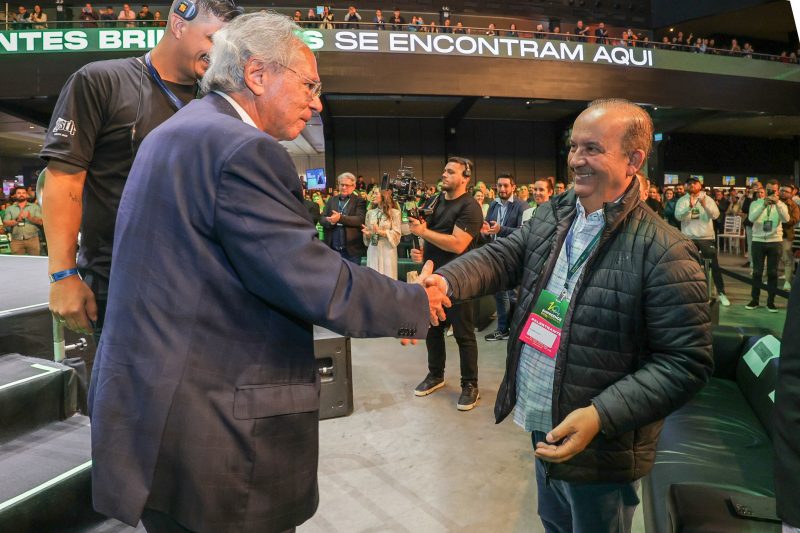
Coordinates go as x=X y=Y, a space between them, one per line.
x=637 y=338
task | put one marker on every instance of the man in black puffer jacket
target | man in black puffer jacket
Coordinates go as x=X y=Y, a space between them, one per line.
x=612 y=329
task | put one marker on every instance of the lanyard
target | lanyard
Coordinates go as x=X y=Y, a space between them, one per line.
x=343 y=207
x=573 y=268
x=176 y=102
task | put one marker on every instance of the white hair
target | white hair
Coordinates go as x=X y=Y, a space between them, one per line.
x=345 y=176
x=267 y=36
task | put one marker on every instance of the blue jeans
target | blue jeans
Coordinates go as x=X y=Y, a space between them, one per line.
x=583 y=507
x=504 y=300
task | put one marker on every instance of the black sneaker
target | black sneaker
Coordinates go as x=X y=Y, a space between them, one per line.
x=752 y=305
x=430 y=384
x=771 y=308
x=497 y=336
x=469 y=397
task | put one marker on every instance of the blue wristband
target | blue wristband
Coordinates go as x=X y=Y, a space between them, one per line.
x=58 y=276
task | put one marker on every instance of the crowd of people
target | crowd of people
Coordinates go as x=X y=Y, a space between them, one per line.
x=325 y=18
x=91 y=17
x=580 y=32
x=698 y=213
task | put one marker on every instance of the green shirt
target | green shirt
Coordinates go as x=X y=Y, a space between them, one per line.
x=29 y=229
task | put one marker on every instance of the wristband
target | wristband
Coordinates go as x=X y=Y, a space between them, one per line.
x=58 y=276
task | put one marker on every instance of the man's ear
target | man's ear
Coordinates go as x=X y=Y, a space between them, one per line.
x=177 y=26
x=635 y=161
x=256 y=76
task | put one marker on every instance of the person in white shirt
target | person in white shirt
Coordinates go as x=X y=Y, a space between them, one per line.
x=697 y=213
x=542 y=191
x=767 y=213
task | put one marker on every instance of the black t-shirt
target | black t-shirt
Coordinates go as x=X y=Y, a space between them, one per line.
x=462 y=212
x=92 y=128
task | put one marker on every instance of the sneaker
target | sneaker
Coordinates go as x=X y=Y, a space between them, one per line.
x=497 y=336
x=787 y=286
x=469 y=397
x=430 y=384
x=723 y=300
x=771 y=308
x=752 y=305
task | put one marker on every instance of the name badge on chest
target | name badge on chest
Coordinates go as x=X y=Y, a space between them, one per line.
x=542 y=331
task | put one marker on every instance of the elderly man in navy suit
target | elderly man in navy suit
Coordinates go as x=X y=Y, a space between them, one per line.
x=205 y=392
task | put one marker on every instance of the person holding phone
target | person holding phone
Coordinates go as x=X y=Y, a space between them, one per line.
x=767 y=213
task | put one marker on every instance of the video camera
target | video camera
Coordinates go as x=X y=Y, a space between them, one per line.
x=405 y=187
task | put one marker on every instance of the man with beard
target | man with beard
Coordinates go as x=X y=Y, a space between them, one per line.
x=447 y=233
x=594 y=363
x=22 y=220
x=697 y=213
x=503 y=218
x=104 y=111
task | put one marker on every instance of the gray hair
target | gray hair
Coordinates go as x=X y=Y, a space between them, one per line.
x=266 y=36
x=345 y=176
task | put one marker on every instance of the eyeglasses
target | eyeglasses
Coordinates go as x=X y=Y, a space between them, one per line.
x=314 y=87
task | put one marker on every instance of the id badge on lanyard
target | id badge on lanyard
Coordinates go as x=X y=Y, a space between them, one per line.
x=543 y=329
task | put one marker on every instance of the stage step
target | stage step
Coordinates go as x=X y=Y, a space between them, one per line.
x=33 y=392
x=46 y=478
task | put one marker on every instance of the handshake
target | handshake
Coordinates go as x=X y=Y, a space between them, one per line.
x=436 y=288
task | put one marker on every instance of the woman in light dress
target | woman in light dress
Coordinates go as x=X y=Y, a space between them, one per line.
x=381 y=231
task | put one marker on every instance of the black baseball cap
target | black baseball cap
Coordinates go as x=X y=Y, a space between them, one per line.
x=691 y=179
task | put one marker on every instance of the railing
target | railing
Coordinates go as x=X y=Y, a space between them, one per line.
x=10 y=24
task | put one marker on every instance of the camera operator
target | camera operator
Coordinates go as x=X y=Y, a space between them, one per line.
x=448 y=232
x=766 y=213
x=22 y=220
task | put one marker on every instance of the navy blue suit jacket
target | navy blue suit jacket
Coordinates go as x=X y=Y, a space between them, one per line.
x=513 y=218
x=205 y=391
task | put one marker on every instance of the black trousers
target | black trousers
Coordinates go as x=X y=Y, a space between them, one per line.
x=460 y=316
x=772 y=252
x=708 y=250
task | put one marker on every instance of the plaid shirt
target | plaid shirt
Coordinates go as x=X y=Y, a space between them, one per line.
x=536 y=370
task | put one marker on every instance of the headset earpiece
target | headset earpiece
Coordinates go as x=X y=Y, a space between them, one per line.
x=186 y=9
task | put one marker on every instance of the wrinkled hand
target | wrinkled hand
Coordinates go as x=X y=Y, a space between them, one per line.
x=436 y=288
x=334 y=217
x=416 y=226
x=73 y=303
x=416 y=255
x=577 y=430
